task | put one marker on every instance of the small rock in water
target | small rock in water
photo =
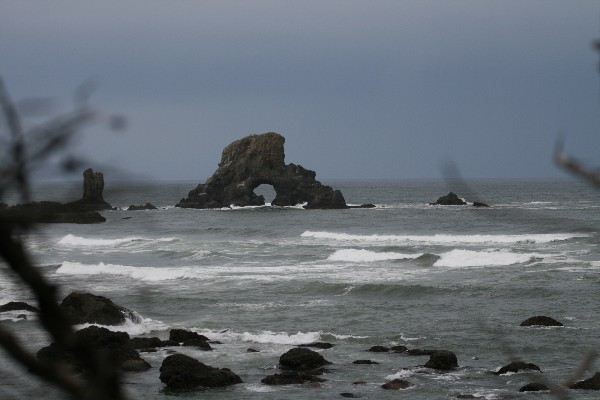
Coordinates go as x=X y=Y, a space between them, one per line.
x=541 y=320
x=350 y=395
x=379 y=349
x=396 y=384
x=251 y=350
x=518 y=366
x=364 y=362
x=534 y=387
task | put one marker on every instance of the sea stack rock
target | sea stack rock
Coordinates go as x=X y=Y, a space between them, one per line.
x=92 y=199
x=451 y=199
x=256 y=160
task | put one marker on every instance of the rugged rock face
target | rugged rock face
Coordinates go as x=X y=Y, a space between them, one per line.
x=83 y=308
x=256 y=160
x=92 y=199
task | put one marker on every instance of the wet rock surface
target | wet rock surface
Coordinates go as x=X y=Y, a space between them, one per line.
x=181 y=372
x=83 y=308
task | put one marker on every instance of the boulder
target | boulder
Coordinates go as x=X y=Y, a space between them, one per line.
x=17 y=306
x=517 y=366
x=146 y=206
x=115 y=346
x=443 y=360
x=479 y=204
x=451 y=199
x=396 y=384
x=540 y=320
x=592 y=383
x=534 y=387
x=181 y=372
x=399 y=349
x=301 y=359
x=291 y=378
x=198 y=343
x=83 y=308
x=255 y=160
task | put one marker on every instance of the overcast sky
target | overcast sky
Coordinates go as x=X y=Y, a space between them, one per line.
x=359 y=89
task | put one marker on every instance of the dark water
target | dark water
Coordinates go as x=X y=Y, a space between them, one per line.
x=404 y=273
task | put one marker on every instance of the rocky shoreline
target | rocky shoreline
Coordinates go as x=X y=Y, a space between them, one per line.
x=300 y=365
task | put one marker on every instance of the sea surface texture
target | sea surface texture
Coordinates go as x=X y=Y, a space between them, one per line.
x=456 y=278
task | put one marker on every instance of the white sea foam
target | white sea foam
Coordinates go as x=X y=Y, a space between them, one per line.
x=151 y=274
x=402 y=374
x=144 y=327
x=441 y=239
x=361 y=255
x=72 y=240
x=264 y=336
x=467 y=258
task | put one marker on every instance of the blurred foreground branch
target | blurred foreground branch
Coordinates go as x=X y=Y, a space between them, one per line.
x=101 y=380
x=573 y=166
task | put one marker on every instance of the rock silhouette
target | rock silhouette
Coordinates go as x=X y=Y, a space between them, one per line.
x=255 y=160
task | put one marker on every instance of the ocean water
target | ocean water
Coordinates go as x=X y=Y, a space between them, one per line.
x=403 y=273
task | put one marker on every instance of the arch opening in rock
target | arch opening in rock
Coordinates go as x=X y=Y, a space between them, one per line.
x=267 y=191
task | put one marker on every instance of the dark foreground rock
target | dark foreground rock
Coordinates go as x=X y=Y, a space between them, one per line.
x=301 y=359
x=479 y=204
x=181 y=372
x=534 y=387
x=540 y=320
x=146 y=206
x=379 y=349
x=17 y=306
x=592 y=383
x=396 y=384
x=291 y=378
x=317 y=345
x=517 y=366
x=115 y=346
x=182 y=335
x=150 y=343
x=442 y=360
x=451 y=199
x=255 y=160
x=83 y=308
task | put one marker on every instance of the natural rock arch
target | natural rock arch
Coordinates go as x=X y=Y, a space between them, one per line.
x=255 y=160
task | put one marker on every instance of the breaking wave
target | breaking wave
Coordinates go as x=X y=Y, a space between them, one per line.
x=468 y=258
x=72 y=240
x=356 y=255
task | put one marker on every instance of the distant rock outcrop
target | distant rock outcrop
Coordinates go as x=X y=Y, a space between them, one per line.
x=147 y=206
x=82 y=211
x=541 y=320
x=93 y=188
x=451 y=199
x=255 y=160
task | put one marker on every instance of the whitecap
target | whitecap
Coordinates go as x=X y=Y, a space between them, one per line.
x=442 y=239
x=264 y=336
x=402 y=374
x=467 y=258
x=143 y=327
x=356 y=255
x=72 y=240
x=149 y=274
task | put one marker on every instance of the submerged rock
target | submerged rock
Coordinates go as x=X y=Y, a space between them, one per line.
x=317 y=345
x=534 y=387
x=255 y=160
x=517 y=366
x=364 y=362
x=146 y=206
x=592 y=383
x=17 y=306
x=291 y=378
x=396 y=384
x=181 y=372
x=83 y=308
x=540 y=320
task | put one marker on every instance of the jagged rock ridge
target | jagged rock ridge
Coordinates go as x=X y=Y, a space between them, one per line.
x=255 y=160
